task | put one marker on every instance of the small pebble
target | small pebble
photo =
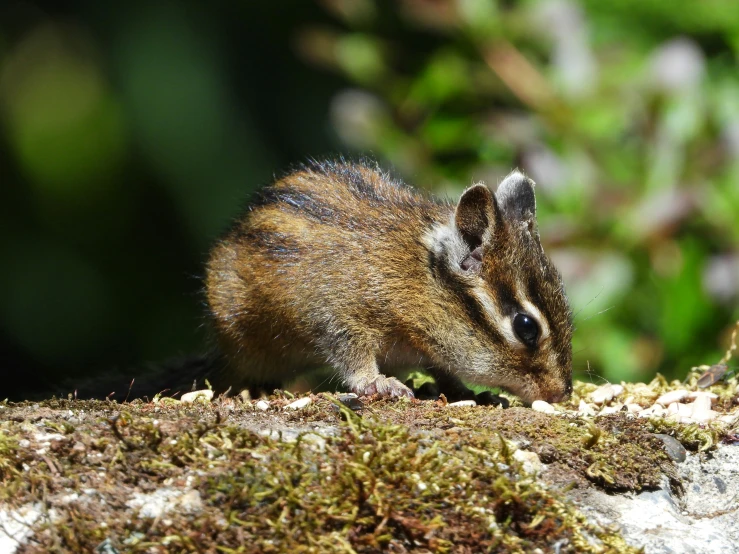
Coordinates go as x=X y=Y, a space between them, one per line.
x=701 y=410
x=702 y=404
x=605 y=393
x=543 y=407
x=674 y=449
x=529 y=460
x=658 y=410
x=704 y=417
x=351 y=401
x=585 y=409
x=653 y=411
x=672 y=396
x=611 y=409
x=633 y=408
x=703 y=393
x=461 y=404
x=263 y=405
x=190 y=397
x=682 y=410
x=299 y=404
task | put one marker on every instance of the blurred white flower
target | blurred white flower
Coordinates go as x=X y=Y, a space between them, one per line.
x=357 y=117
x=546 y=168
x=721 y=277
x=572 y=59
x=678 y=65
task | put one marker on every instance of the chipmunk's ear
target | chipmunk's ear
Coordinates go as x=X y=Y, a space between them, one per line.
x=475 y=215
x=475 y=219
x=515 y=196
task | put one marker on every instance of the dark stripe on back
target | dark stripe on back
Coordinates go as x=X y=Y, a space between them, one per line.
x=368 y=182
x=352 y=176
x=277 y=245
x=286 y=197
x=359 y=186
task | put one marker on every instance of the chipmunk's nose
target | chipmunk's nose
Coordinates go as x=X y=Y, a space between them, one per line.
x=560 y=396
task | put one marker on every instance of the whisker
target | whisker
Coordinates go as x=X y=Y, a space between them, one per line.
x=600 y=312
x=588 y=304
x=329 y=378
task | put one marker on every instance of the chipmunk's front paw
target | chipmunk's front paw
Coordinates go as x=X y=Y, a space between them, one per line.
x=384 y=386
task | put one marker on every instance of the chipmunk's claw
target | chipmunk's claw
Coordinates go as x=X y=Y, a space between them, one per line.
x=384 y=386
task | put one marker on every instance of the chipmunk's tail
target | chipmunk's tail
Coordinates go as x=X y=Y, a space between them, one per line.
x=169 y=378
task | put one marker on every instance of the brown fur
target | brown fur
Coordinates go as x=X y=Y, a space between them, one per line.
x=338 y=264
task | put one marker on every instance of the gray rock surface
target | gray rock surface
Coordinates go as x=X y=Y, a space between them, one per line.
x=705 y=519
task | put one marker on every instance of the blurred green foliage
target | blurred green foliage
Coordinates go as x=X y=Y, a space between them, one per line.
x=130 y=135
x=627 y=116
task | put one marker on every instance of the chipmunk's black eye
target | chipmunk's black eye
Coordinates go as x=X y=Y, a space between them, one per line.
x=526 y=329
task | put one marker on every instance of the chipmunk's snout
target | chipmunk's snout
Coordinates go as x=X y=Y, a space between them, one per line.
x=560 y=396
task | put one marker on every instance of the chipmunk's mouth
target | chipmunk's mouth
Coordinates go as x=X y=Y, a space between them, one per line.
x=529 y=392
x=559 y=397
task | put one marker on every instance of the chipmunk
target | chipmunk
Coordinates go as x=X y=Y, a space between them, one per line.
x=338 y=264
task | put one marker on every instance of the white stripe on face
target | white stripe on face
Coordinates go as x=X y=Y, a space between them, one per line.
x=501 y=322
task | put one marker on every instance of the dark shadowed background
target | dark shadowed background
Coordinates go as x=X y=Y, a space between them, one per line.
x=132 y=132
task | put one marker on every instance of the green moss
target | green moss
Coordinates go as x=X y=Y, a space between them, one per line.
x=412 y=476
x=375 y=484
x=693 y=437
x=614 y=452
x=700 y=437
x=8 y=454
x=644 y=394
x=407 y=475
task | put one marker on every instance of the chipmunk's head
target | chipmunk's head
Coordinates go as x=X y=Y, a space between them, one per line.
x=514 y=325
